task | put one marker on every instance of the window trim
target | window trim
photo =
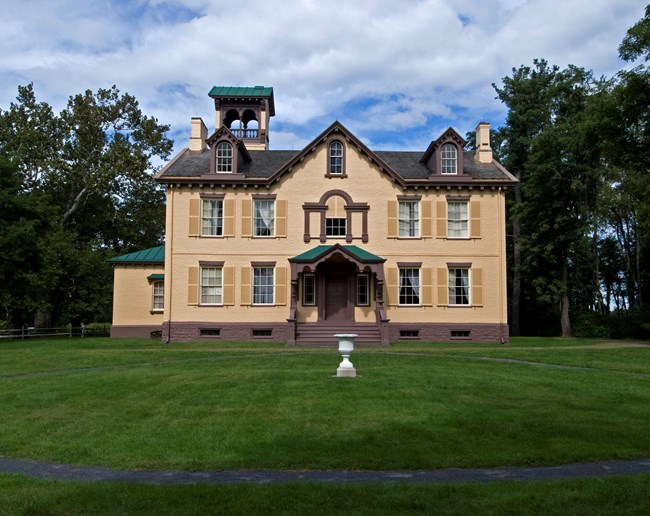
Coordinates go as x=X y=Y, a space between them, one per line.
x=272 y=285
x=255 y=218
x=417 y=220
x=344 y=228
x=160 y=296
x=466 y=220
x=450 y=287
x=446 y=161
x=203 y=218
x=224 y=164
x=341 y=159
x=404 y=268
x=202 y=267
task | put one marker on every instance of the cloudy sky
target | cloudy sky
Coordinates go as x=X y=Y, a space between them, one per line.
x=394 y=72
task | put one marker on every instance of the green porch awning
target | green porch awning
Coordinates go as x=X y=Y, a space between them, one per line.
x=156 y=276
x=359 y=254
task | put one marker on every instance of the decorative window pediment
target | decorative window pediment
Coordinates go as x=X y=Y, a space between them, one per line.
x=444 y=156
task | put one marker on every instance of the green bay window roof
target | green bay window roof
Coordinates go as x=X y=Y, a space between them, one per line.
x=152 y=255
x=360 y=254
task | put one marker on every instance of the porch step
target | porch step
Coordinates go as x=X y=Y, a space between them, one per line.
x=323 y=334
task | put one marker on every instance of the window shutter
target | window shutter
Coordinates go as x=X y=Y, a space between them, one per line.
x=477 y=287
x=246 y=218
x=281 y=218
x=393 y=286
x=195 y=217
x=426 y=225
x=229 y=217
x=228 y=285
x=475 y=219
x=441 y=219
x=280 y=286
x=392 y=219
x=245 y=286
x=443 y=292
x=426 y=286
x=193 y=286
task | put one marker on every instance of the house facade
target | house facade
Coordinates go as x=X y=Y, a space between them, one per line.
x=296 y=246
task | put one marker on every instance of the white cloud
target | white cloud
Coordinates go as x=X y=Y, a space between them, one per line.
x=419 y=65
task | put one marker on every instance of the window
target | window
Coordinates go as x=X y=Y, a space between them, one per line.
x=460 y=334
x=336 y=158
x=459 y=286
x=212 y=217
x=211 y=286
x=262 y=285
x=409 y=218
x=158 y=288
x=335 y=227
x=263 y=217
x=262 y=334
x=224 y=157
x=210 y=332
x=448 y=159
x=409 y=334
x=363 y=290
x=308 y=289
x=457 y=219
x=409 y=286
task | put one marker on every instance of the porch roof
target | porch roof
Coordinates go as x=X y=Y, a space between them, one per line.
x=317 y=252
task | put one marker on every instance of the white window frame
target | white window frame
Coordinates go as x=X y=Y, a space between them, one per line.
x=263 y=286
x=157 y=296
x=224 y=158
x=408 y=219
x=462 y=274
x=308 y=289
x=409 y=273
x=335 y=155
x=212 y=224
x=211 y=286
x=329 y=227
x=449 y=159
x=457 y=219
x=263 y=220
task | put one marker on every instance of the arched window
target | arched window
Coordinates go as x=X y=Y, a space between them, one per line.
x=335 y=158
x=224 y=157
x=449 y=159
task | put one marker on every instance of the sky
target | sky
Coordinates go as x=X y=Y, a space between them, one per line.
x=395 y=73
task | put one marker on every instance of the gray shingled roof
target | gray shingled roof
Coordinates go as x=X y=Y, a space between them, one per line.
x=407 y=165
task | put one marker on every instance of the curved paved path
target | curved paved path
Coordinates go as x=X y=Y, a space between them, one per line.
x=54 y=471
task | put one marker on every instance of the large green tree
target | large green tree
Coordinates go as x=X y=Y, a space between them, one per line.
x=87 y=175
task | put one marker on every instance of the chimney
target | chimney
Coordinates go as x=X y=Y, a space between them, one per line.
x=483 y=149
x=199 y=135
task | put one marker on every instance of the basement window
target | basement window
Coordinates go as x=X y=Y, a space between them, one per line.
x=409 y=334
x=210 y=332
x=460 y=334
x=262 y=334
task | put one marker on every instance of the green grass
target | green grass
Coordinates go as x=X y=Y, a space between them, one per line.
x=616 y=495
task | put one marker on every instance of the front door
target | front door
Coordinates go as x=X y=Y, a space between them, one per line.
x=336 y=297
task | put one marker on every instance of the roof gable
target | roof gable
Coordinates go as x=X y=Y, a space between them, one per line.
x=449 y=135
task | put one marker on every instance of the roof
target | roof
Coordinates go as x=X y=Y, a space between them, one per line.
x=357 y=252
x=151 y=255
x=231 y=92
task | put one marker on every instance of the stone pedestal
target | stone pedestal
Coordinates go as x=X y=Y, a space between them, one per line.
x=346 y=347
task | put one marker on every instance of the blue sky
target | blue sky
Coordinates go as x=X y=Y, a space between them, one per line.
x=395 y=73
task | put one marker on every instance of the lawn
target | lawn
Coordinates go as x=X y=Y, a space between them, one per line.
x=199 y=406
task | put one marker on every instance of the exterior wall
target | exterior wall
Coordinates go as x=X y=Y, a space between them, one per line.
x=307 y=182
x=132 y=301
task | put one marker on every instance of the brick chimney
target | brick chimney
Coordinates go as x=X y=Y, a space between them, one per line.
x=199 y=135
x=483 y=149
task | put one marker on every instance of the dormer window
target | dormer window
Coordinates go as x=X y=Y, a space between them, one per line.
x=224 y=157
x=449 y=159
x=335 y=158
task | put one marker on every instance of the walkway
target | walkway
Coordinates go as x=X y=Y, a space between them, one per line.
x=54 y=471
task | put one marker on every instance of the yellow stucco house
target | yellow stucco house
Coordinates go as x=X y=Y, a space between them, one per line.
x=296 y=246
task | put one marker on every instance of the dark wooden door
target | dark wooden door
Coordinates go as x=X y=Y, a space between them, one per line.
x=336 y=297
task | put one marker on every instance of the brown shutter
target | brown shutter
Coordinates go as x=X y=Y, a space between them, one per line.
x=228 y=285
x=193 y=286
x=475 y=219
x=245 y=286
x=441 y=219
x=281 y=218
x=392 y=219
x=195 y=217
x=280 y=285
x=426 y=286
x=427 y=226
x=229 y=217
x=477 y=287
x=246 y=218
x=443 y=286
x=393 y=285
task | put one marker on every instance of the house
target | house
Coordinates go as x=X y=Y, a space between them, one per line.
x=296 y=246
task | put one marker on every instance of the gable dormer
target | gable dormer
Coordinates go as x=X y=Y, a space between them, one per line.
x=444 y=156
x=227 y=153
x=246 y=111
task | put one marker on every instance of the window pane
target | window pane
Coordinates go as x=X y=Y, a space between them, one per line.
x=264 y=217
x=409 y=218
x=335 y=227
x=212 y=217
x=224 y=157
x=409 y=286
x=363 y=290
x=308 y=289
x=448 y=159
x=336 y=158
x=459 y=286
x=457 y=219
x=263 y=285
x=211 y=285
x=158 y=295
